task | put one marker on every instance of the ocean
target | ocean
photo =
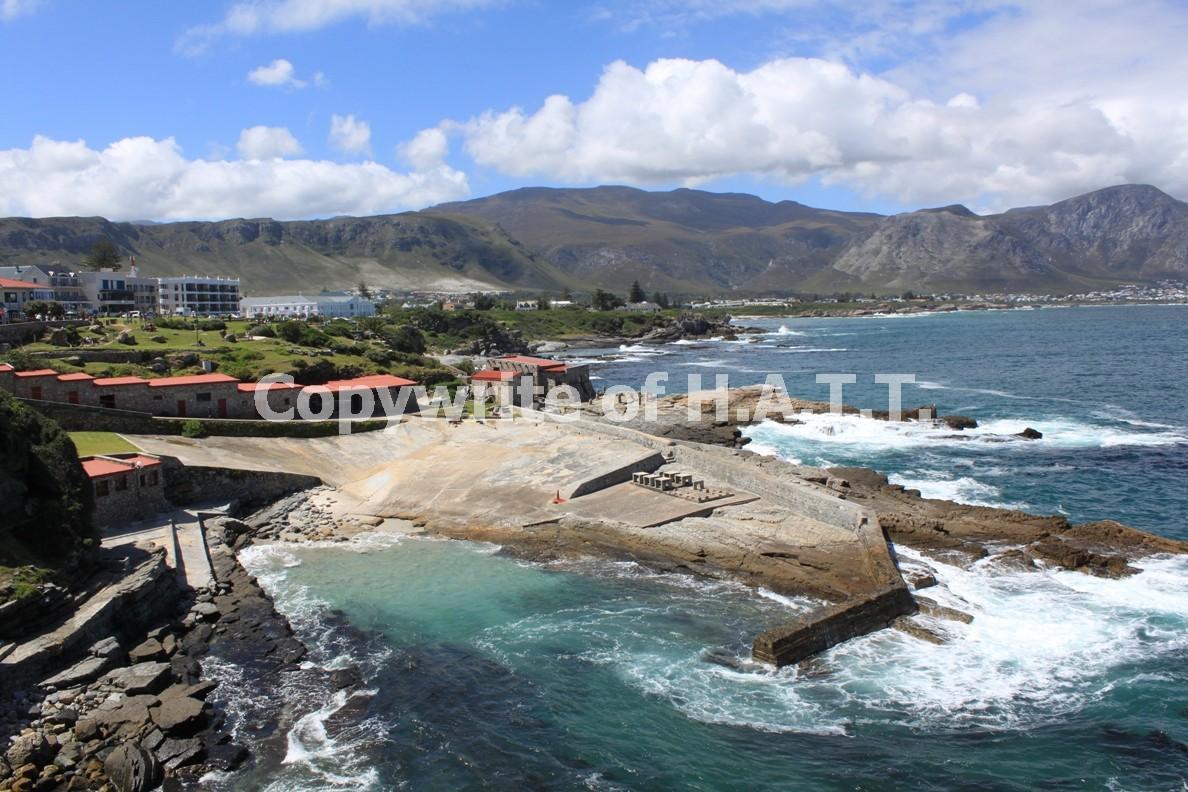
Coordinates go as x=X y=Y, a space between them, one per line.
x=483 y=671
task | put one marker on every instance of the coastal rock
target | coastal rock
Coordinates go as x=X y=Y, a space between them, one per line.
x=175 y=753
x=87 y=670
x=132 y=768
x=29 y=748
x=958 y=422
x=149 y=650
x=140 y=678
x=1030 y=434
x=1078 y=557
x=179 y=716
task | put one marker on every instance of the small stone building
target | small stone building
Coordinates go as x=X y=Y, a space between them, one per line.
x=127 y=487
x=546 y=373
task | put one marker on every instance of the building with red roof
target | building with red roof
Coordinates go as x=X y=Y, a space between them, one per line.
x=211 y=395
x=546 y=374
x=126 y=487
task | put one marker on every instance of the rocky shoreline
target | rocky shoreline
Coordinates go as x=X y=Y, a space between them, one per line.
x=131 y=714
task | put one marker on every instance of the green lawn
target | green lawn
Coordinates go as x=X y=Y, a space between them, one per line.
x=92 y=443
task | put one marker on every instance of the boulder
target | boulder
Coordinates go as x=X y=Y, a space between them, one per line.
x=87 y=670
x=198 y=690
x=140 y=678
x=146 y=651
x=157 y=339
x=180 y=716
x=1030 y=434
x=29 y=748
x=175 y=753
x=58 y=337
x=132 y=768
x=124 y=337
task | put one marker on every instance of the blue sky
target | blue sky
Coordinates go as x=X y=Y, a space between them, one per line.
x=880 y=106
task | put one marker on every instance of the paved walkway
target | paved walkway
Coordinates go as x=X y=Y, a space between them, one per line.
x=192 y=568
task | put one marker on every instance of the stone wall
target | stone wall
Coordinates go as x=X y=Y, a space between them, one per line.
x=824 y=628
x=85 y=418
x=25 y=332
x=646 y=464
x=188 y=484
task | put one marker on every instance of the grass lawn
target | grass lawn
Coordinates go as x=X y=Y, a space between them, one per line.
x=92 y=443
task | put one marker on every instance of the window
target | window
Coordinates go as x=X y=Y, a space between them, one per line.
x=142 y=480
x=102 y=488
x=121 y=483
x=202 y=397
x=153 y=477
x=107 y=400
x=35 y=392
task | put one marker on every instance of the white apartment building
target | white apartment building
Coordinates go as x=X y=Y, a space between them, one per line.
x=332 y=305
x=110 y=292
x=196 y=295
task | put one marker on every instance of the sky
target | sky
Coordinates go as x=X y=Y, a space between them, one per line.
x=314 y=108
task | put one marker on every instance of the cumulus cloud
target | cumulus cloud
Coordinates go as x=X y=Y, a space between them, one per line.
x=349 y=134
x=141 y=177
x=691 y=122
x=299 y=16
x=428 y=148
x=278 y=74
x=265 y=142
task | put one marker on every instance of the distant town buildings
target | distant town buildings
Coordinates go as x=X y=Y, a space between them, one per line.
x=110 y=292
x=327 y=304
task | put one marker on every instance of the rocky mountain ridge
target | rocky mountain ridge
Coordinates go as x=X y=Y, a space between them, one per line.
x=681 y=241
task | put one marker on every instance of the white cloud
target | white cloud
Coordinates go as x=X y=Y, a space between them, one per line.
x=681 y=121
x=428 y=148
x=278 y=74
x=349 y=134
x=264 y=142
x=11 y=9
x=299 y=16
x=141 y=177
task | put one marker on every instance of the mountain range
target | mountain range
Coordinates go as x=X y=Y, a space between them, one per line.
x=683 y=242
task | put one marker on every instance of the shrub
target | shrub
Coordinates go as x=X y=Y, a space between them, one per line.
x=607 y=325
x=302 y=334
x=405 y=338
x=193 y=428
x=264 y=331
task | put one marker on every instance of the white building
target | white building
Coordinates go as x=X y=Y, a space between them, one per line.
x=111 y=292
x=197 y=295
x=332 y=305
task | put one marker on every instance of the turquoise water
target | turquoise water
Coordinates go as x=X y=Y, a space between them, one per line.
x=488 y=672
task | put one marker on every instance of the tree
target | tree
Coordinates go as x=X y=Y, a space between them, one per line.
x=483 y=301
x=104 y=255
x=364 y=292
x=45 y=308
x=405 y=338
x=542 y=303
x=661 y=299
x=604 y=301
x=637 y=293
